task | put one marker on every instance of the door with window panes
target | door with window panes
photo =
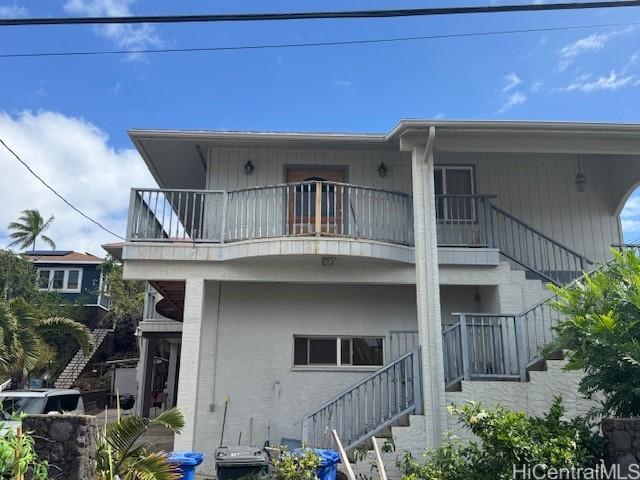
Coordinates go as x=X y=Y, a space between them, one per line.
x=456 y=205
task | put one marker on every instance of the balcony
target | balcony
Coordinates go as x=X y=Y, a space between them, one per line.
x=289 y=210
x=359 y=221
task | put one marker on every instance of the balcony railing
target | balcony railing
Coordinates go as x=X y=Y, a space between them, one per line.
x=295 y=209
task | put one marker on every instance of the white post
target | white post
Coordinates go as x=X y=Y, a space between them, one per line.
x=144 y=376
x=428 y=289
x=190 y=361
x=172 y=374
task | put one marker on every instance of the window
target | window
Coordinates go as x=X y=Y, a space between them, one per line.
x=64 y=280
x=454 y=189
x=356 y=351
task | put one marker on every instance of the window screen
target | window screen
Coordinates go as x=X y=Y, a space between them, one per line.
x=361 y=351
x=72 y=279
x=58 y=279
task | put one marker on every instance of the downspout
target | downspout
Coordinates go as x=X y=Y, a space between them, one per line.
x=215 y=349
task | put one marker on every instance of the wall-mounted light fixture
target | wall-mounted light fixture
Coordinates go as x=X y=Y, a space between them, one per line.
x=328 y=261
x=581 y=180
x=382 y=169
x=248 y=167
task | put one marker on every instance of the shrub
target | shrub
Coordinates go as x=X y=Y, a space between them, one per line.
x=294 y=466
x=18 y=457
x=507 y=439
x=601 y=333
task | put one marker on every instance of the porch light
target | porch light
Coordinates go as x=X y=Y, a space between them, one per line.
x=581 y=180
x=248 y=167
x=382 y=169
x=328 y=261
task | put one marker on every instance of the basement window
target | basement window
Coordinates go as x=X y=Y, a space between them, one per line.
x=338 y=351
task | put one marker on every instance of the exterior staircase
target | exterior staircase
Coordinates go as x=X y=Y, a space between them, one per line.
x=79 y=361
x=489 y=347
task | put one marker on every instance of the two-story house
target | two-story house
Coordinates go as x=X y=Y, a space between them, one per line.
x=303 y=282
x=73 y=275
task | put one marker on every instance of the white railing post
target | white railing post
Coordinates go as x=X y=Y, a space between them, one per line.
x=464 y=346
x=521 y=347
x=417 y=381
x=305 y=432
x=223 y=220
x=131 y=216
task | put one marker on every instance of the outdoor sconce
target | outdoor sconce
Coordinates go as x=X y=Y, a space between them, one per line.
x=328 y=261
x=581 y=180
x=248 y=167
x=382 y=169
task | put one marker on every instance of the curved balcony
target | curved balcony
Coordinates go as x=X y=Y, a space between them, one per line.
x=304 y=209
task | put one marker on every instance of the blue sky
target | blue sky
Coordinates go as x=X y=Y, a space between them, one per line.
x=586 y=74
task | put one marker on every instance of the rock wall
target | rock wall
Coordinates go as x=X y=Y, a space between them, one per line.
x=623 y=448
x=67 y=442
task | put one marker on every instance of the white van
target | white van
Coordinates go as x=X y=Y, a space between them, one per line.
x=39 y=401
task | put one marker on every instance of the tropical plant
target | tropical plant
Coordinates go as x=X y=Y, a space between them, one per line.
x=24 y=333
x=301 y=465
x=121 y=454
x=506 y=439
x=18 y=457
x=17 y=276
x=600 y=334
x=28 y=228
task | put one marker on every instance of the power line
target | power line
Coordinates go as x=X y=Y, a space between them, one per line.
x=313 y=44
x=57 y=194
x=351 y=14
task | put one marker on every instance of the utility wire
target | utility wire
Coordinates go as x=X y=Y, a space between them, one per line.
x=254 y=17
x=313 y=44
x=57 y=194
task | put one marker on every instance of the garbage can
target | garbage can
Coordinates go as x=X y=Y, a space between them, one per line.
x=236 y=462
x=329 y=460
x=187 y=461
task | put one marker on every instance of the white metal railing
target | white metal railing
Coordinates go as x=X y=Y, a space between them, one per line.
x=372 y=404
x=293 y=209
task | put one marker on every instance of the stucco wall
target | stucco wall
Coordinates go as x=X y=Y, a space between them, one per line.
x=254 y=353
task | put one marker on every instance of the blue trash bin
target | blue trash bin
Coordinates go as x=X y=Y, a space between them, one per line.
x=329 y=460
x=187 y=462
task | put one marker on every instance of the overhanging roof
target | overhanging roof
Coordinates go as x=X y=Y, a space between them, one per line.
x=177 y=158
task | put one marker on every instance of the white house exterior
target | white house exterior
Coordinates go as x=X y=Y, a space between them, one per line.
x=420 y=282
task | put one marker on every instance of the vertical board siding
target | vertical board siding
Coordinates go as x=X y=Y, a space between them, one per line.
x=226 y=167
x=540 y=189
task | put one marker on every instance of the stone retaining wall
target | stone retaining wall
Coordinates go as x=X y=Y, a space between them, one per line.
x=623 y=435
x=67 y=442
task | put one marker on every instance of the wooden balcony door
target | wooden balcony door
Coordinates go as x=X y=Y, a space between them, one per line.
x=304 y=199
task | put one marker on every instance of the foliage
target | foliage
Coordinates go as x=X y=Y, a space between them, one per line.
x=17 y=457
x=28 y=228
x=601 y=333
x=507 y=438
x=17 y=276
x=24 y=334
x=295 y=466
x=121 y=454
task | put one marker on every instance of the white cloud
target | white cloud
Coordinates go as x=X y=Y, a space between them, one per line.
x=342 y=83
x=126 y=37
x=591 y=43
x=13 y=11
x=535 y=86
x=74 y=157
x=511 y=81
x=613 y=81
x=512 y=100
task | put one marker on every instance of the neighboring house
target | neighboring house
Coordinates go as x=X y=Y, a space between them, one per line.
x=73 y=275
x=319 y=281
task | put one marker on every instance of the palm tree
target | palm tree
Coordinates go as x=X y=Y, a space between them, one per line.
x=121 y=454
x=23 y=338
x=28 y=228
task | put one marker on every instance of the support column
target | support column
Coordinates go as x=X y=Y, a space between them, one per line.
x=172 y=374
x=145 y=375
x=428 y=289
x=192 y=326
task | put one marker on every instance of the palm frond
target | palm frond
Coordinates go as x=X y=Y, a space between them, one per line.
x=151 y=466
x=122 y=434
x=172 y=420
x=48 y=241
x=77 y=331
x=47 y=224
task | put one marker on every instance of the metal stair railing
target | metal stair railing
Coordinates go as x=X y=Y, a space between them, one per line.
x=374 y=403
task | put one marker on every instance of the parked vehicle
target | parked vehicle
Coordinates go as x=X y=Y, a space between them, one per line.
x=36 y=402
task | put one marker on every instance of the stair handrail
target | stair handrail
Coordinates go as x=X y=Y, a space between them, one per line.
x=413 y=404
x=542 y=234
